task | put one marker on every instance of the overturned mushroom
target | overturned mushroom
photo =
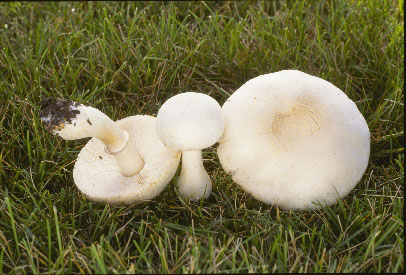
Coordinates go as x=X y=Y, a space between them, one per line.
x=293 y=140
x=123 y=163
x=190 y=122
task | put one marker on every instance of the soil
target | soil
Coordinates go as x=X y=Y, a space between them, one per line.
x=59 y=111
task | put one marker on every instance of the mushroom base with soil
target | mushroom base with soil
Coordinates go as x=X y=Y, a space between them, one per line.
x=72 y=120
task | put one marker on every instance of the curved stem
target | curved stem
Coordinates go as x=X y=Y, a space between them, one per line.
x=194 y=183
x=80 y=121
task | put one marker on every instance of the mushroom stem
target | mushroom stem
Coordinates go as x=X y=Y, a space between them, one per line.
x=71 y=120
x=194 y=183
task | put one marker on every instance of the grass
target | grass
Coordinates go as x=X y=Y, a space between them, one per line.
x=128 y=58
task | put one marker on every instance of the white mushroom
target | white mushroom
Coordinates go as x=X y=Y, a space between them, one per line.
x=98 y=173
x=293 y=140
x=190 y=122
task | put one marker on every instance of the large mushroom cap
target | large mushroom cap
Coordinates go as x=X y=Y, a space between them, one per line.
x=98 y=177
x=292 y=139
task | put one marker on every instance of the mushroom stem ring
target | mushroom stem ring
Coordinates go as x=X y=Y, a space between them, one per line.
x=124 y=146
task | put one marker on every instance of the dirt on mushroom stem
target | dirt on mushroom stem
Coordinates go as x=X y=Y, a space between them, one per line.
x=55 y=112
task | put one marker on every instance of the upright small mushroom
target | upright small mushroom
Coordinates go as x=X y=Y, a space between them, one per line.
x=190 y=122
x=292 y=139
x=123 y=163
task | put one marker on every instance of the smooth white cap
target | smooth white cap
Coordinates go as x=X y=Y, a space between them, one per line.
x=291 y=139
x=98 y=176
x=190 y=121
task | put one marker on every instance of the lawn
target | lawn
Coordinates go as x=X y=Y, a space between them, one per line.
x=128 y=58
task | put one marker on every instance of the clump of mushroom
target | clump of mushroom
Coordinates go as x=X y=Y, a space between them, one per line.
x=123 y=163
x=293 y=140
x=190 y=122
